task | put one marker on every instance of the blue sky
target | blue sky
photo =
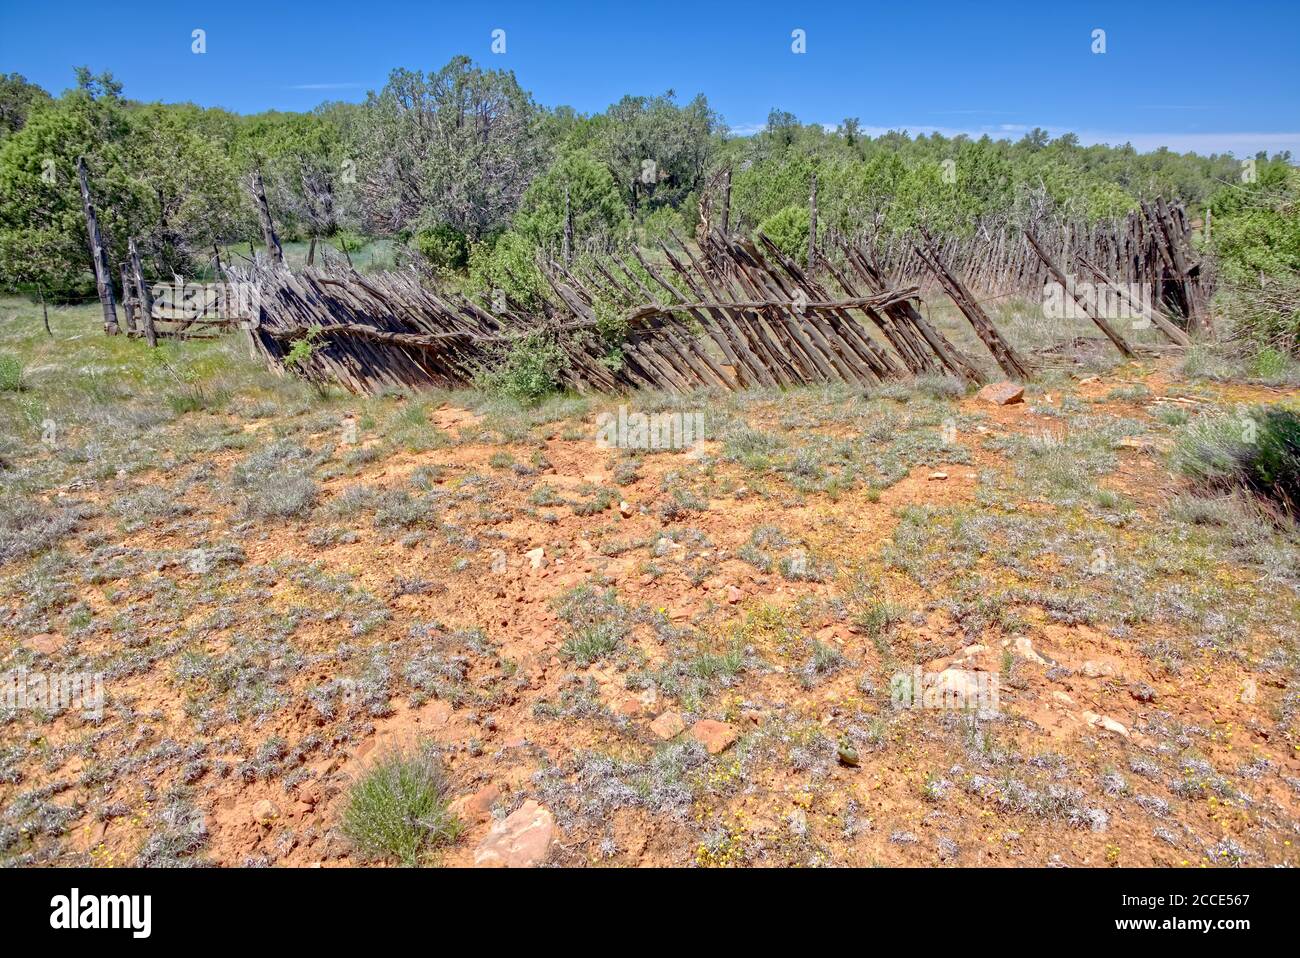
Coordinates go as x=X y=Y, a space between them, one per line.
x=1189 y=75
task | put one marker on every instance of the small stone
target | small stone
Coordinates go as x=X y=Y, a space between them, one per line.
x=1096 y=670
x=1025 y=649
x=625 y=509
x=1106 y=722
x=1002 y=394
x=1249 y=692
x=848 y=755
x=938 y=476
x=535 y=557
x=265 y=810
x=44 y=643
x=1140 y=443
x=669 y=725
x=476 y=807
x=798 y=823
x=714 y=736
x=521 y=840
x=734 y=595
x=1142 y=692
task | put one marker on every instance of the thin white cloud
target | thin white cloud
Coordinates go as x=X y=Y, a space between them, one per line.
x=327 y=86
x=1238 y=143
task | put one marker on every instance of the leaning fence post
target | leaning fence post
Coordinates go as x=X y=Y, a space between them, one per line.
x=264 y=215
x=126 y=299
x=103 y=281
x=146 y=300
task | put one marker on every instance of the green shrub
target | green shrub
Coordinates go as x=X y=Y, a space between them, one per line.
x=398 y=808
x=507 y=264
x=348 y=241
x=598 y=620
x=598 y=211
x=276 y=481
x=1257 y=450
x=658 y=226
x=529 y=372
x=445 y=247
x=1269 y=363
x=788 y=229
x=11 y=373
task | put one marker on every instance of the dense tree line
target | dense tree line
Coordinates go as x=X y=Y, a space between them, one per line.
x=470 y=176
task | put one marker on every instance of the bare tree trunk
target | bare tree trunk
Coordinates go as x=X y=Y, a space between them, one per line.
x=568 y=227
x=812 y=226
x=726 y=204
x=103 y=281
x=272 y=241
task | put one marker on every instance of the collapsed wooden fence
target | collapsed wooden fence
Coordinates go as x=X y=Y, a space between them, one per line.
x=1150 y=248
x=733 y=313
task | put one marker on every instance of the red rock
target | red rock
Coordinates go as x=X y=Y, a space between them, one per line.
x=669 y=725
x=520 y=841
x=1002 y=394
x=45 y=643
x=714 y=736
x=734 y=595
x=476 y=807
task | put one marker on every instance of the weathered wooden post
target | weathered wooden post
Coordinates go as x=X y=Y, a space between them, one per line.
x=103 y=282
x=812 y=225
x=45 y=310
x=272 y=241
x=1067 y=285
x=126 y=299
x=146 y=300
x=725 y=218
